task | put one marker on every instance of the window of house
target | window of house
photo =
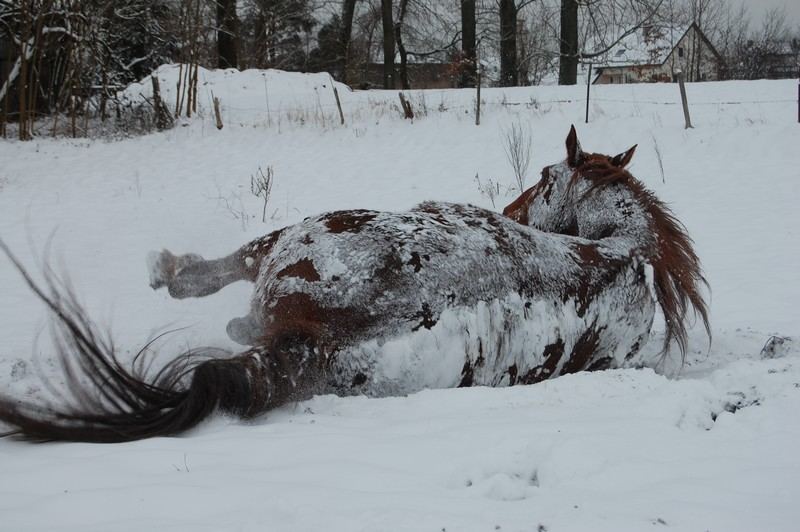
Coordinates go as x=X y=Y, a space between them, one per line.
x=680 y=51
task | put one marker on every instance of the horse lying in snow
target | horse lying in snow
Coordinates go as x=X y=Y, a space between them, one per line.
x=377 y=303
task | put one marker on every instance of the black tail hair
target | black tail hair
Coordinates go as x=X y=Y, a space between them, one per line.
x=105 y=402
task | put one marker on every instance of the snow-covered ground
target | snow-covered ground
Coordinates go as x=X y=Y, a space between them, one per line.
x=712 y=447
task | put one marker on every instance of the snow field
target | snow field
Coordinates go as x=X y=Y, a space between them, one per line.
x=712 y=447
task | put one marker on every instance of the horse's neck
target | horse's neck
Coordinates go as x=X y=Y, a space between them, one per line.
x=614 y=214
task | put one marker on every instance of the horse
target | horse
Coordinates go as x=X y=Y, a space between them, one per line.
x=592 y=196
x=382 y=303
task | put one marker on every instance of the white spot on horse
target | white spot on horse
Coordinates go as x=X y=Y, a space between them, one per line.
x=248 y=261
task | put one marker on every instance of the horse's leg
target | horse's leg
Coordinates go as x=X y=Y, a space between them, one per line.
x=248 y=330
x=191 y=275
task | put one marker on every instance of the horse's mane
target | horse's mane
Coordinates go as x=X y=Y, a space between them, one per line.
x=678 y=276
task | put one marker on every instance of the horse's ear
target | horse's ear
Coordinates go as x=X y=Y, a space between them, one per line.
x=624 y=158
x=574 y=152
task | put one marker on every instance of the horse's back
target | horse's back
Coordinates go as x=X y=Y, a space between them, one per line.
x=440 y=296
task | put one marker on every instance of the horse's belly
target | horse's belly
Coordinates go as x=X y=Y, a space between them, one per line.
x=499 y=343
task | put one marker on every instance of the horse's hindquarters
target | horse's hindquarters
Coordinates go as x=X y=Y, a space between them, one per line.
x=500 y=343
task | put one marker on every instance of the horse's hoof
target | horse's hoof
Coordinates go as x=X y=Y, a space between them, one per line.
x=161 y=267
x=244 y=331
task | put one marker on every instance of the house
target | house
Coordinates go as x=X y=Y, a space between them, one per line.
x=782 y=60
x=420 y=75
x=653 y=54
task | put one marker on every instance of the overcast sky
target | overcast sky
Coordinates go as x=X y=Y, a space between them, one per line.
x=757 y=8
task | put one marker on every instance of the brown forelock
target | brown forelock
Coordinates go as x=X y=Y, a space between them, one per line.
x=677 y=273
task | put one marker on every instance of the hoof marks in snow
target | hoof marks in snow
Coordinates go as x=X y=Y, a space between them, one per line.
x=503 y=486
x=776 y=347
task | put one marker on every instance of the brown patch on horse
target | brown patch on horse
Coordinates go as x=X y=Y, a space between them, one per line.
x=500 y=235
x=416 y=260
x=426 y=317
x=512 y=374
x=552 y=356
x=588 y=253
x=302 y=269
x=600 y=364
x=392 y=264
x=596 y=271
x=467 y=375
x=299 y=315
x=294 y=314
x=677 y=274
x=253 y=253
x=348 y=221
x=583 y=350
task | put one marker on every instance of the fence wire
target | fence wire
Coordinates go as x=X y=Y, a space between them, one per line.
x=532 y=103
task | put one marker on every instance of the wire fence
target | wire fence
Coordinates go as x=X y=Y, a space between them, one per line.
x=445 y=106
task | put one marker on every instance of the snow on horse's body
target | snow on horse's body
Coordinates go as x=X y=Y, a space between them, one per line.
x=446 y=295
x=387 y=303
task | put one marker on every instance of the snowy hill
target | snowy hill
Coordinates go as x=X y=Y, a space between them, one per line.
x=709 y=447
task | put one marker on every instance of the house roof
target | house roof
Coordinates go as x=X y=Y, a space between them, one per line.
x=649 y=45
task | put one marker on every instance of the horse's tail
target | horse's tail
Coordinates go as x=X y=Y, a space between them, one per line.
x=105 y=402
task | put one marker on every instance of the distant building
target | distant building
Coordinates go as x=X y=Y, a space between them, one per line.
x=782 y=60
x=420 y=76
x=656 y=54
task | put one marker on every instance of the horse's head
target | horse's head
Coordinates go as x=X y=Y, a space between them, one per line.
x=549 y=205
x=592 y=196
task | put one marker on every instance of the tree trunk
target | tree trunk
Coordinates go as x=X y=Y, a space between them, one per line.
x=22 y=84
x=568 y=60
x=398 y=36
x=348 y=11
x=388 y=44
x=227 y=24
x=468 y=68
x=508 y=43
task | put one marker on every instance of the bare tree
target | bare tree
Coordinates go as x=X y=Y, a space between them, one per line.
x=568 y=50
x=348 y=11
x=468 y=66
x=388 y=45
x=537 y=39
x=605 y=25
x=518 y=143
x=509 y=75
x=398 y=37
x=227 y=34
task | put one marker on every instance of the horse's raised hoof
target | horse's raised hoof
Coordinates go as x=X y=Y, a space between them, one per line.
x=244 y=331
x=163 y=266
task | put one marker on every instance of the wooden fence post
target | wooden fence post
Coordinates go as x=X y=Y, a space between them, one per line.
x=217 y=113
x=408 y=113
x=478 y=96
x=338 y=102
x=588 y=86
x=684 y=101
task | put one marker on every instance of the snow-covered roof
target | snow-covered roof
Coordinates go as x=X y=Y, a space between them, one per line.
x=648 y=45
